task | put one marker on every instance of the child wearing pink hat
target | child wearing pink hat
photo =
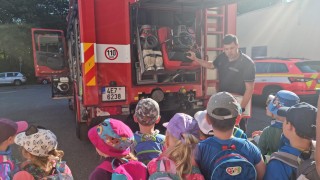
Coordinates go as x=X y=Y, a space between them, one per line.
x=112 y=140
x=8 y=130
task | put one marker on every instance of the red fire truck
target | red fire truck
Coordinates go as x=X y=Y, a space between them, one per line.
x=121 y=51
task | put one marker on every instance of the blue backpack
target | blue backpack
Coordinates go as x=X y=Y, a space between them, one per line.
x=148 y=147
x=229 y=164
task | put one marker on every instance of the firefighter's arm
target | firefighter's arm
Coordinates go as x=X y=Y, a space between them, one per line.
x=248 y=94
x=318 y=137
x=207 y=64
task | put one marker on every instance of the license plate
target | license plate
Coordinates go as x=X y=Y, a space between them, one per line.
x=113 y=94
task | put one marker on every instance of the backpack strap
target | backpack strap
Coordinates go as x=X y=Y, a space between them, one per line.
x=237 y=132
x=106 y=165
x=287 y=158
x=5 y=159
x=166 y=165
x=113 y=161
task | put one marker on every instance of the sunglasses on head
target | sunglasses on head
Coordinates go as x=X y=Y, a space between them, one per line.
x=33 y=129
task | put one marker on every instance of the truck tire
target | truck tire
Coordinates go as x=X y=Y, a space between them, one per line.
x=82 y=131
x=81 y=127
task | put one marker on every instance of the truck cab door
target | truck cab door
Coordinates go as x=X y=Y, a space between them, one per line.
x=49 y=52
x=50 y=60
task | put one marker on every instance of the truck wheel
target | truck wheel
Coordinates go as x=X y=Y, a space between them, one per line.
x=82 y=131
x=17 y=82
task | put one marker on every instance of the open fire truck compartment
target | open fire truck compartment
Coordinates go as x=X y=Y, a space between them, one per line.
x=121 y=51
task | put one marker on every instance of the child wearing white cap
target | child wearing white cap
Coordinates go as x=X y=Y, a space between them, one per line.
x=39 y=147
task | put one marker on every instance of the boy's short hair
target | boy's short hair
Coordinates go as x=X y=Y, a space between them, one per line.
x=10 y=128
x=302 y=116
x=283 y=98
x=223 y=110
x=147 y=112
x=230 y=38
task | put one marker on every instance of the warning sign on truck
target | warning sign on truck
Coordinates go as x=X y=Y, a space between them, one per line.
x=113 y=53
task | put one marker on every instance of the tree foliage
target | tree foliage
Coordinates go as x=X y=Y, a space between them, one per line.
x=17 y=17
x=41 y=13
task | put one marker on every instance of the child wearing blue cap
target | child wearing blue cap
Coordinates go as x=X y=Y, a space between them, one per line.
x=300 y=129
x=270 y=138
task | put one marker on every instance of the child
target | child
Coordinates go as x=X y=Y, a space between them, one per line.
x=148 y=142
x=177 y=159
x=300 y=128
x=112 y=140
x=222 y=112
x=39 y=147
x=270 y=138
x=8 y=130
x=207 y=131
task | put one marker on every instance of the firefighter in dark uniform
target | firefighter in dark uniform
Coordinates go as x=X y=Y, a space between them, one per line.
x=236 y=71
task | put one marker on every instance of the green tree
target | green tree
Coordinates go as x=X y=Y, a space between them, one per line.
x=17 y=17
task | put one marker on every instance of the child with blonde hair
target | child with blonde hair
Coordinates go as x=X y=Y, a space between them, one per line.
x=39 y=147
x=112 y=140
x=177 y=161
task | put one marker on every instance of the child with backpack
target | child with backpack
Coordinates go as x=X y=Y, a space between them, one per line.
x=39 y=147
x=176 y=161
x=148 y=141
x=270 y=138
x=8 y=130
x=255 y=135
x=296 y=158
x=207 y=131
x=224 y=156
x=112 y=140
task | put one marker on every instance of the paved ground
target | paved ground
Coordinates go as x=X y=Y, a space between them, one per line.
x=33 y=103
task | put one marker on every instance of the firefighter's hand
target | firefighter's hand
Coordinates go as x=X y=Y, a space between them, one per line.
x=191 y=55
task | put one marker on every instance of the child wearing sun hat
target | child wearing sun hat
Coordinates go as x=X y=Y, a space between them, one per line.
x=112 y=140
x=39 y=147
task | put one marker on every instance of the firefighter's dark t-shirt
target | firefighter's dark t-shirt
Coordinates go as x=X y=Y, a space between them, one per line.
x=233 y=75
